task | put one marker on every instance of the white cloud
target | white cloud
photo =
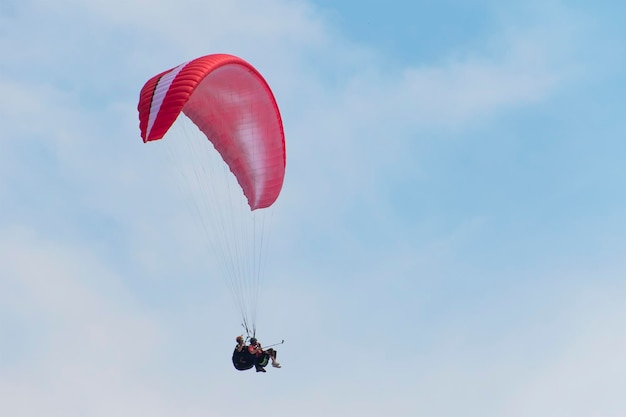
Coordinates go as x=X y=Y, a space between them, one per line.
x=585 y=378
x=104 y=221
x=80 y=341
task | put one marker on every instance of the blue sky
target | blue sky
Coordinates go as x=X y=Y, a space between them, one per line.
x=449 y=240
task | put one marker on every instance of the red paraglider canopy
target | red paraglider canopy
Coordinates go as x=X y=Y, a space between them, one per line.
x=233 y=106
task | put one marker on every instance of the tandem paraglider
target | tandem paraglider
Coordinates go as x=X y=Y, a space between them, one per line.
x=230 y=158
x=253 y=355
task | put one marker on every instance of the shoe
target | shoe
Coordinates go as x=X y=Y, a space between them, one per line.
x=261 y=370
x=276 y=365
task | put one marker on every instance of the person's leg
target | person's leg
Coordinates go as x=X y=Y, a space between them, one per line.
x=273 y=355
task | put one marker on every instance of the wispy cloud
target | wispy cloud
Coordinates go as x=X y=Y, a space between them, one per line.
x=104 y=301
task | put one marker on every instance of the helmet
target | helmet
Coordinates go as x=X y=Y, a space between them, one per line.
x=253 y=341
x=239 y=339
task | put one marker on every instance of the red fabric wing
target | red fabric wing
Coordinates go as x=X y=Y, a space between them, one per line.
x=233 y=106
